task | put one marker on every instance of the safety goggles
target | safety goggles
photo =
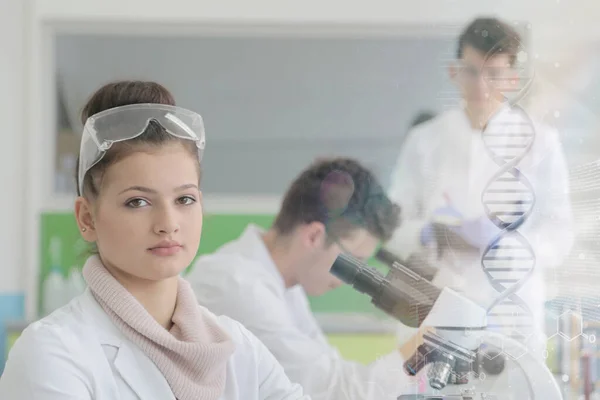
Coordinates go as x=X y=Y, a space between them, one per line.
x=493 y=76
x=123 y=123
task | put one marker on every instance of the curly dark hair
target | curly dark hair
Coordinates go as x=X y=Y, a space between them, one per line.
x=341 y=194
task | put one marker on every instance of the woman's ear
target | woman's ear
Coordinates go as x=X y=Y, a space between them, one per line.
x=85 y=219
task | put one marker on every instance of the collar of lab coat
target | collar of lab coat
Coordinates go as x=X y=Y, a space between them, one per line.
x=255 y=249
x=147 y=383
x=108 y=334
x=500 y=113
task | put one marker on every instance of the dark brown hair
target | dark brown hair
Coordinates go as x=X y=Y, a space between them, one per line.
x=354 y=199
x=118 y=94
x=490 y=36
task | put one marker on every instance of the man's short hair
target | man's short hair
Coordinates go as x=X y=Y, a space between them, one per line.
x=490 y=36
x=341 y=194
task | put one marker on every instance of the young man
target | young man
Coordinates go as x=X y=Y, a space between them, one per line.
x=441 y=179
x=262 y=279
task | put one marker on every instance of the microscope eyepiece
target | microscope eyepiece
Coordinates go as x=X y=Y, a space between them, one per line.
x=354 y=272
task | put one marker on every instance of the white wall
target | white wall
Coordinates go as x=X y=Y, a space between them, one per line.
x=12 y=160
x=556 y=24
x=12 y=165
x=550 y=18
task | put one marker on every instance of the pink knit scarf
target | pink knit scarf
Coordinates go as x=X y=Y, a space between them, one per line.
x=192 y=356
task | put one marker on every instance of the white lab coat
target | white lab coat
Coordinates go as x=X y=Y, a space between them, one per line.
x=446 y=158
x=240 y=280
x=77 y=353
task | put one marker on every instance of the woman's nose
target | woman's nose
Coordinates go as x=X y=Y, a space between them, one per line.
x=166 y=221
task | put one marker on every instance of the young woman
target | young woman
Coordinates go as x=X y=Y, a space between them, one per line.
x=138 y=332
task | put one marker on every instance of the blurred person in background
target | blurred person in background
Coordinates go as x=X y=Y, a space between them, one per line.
x=138 y=332
x=444 y=167
x=262 y=279
x=422 y=117
x=419 y=118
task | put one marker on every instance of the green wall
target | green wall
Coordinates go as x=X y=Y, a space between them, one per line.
x=218 y=229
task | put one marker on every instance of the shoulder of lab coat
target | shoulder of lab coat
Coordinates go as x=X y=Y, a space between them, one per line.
x=421 y=141
x=421 y=147
x=61 y=357
x=48 y=362
x=243 y=289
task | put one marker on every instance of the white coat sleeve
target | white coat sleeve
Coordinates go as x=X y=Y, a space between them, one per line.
x=317 y=367
x=274 y=384
x=40 y=366
x=407 y=190
x=551 y=232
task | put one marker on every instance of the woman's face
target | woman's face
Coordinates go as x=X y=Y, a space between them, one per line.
x=147 y=219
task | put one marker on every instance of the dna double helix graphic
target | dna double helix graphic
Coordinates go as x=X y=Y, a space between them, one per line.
x=508 y=200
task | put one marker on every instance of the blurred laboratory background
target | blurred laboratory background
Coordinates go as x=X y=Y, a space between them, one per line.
x=280 y=84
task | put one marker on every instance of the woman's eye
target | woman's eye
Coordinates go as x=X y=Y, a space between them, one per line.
x=186 y=200
x=137 y=203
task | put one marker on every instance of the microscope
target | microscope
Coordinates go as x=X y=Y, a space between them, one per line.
x=458 y=342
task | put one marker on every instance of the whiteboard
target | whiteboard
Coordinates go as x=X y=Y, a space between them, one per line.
x=272 y=105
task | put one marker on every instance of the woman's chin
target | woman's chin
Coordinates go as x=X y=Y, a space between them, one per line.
x=165 y=268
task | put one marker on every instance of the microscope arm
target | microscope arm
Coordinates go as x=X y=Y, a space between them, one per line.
x=410 y=298
x=403 y=294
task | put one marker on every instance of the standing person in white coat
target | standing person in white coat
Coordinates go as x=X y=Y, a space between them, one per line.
x=262 y=278
x=419 y=118
x=443 y=170
x=137 y=332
